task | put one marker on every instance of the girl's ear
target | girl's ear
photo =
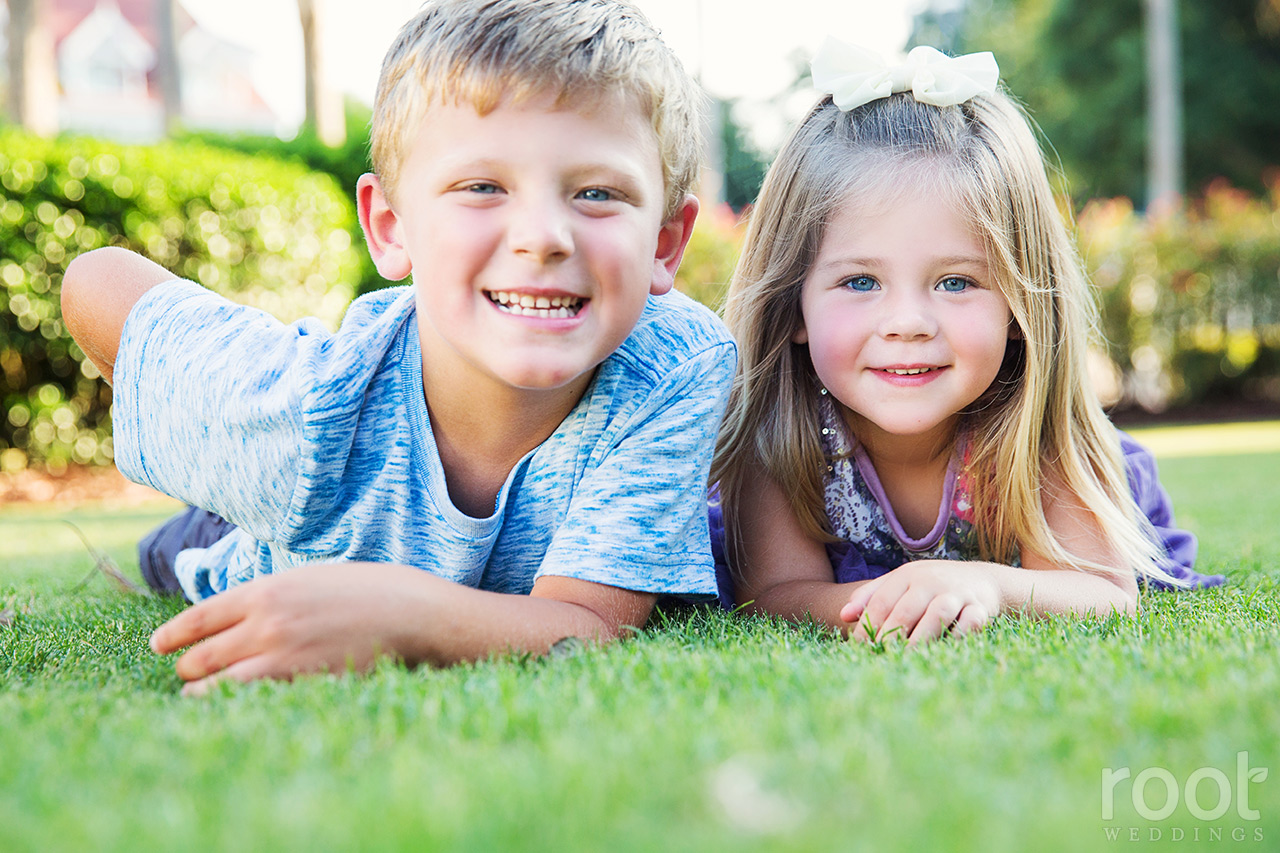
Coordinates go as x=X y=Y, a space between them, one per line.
x=672 y=240
x=801 y=334
x=382 y=231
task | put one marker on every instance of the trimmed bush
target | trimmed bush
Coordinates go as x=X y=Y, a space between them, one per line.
x=1190 y=300
x=261 y=231
x=345 y=163
x=710 y=256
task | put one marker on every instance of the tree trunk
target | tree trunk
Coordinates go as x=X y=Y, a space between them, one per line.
x=168 y=70
x=1164 y=106
x=324 y=104
x=33 y=88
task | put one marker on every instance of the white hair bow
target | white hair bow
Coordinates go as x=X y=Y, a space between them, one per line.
x=854 y=76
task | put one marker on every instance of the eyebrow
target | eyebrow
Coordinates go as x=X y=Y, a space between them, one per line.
x=872 y=263
x=962 y=260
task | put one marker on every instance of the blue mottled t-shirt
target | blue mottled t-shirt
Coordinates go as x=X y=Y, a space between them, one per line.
x=318 y=446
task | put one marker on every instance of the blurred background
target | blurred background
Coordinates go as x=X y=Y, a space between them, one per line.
x=223 y=139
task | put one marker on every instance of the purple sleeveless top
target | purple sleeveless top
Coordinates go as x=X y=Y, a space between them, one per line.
x=872 y=541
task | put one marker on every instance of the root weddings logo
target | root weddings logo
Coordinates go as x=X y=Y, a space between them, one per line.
x=1197 y=804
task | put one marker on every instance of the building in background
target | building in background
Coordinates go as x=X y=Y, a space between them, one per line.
x=106 y=54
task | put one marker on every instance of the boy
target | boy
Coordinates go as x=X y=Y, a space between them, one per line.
x=524 y=423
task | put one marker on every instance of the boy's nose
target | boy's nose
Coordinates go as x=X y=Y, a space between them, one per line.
x=540 y=230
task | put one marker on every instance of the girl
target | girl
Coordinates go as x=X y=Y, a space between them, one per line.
x=912 y=444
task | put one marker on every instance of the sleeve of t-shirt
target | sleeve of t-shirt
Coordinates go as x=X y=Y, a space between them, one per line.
x=638 y=520
x=207 y=404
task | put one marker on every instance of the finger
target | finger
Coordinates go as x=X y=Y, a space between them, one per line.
x=216 y=653
x=249 y=669
x=209 y=617
x=852 y=609
x=938 y=617
x=876 y=613
x=973 y=617
x=906 y=614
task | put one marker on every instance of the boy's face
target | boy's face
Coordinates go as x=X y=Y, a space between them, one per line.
x=535 y=235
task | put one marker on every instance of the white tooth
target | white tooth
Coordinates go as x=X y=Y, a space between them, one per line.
x=557 y=301
x=542 y=302
x=526 y=301
x=562 y=312
x=502 y=297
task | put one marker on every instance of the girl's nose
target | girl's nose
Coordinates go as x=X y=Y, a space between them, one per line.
x=540 y=230
x=907 y=316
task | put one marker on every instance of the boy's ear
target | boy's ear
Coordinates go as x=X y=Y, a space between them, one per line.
x=672 y=240
x=382 y=230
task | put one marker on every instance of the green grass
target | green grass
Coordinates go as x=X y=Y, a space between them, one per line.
x=707 y=733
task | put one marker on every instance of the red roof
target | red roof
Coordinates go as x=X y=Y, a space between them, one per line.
x=63 y=16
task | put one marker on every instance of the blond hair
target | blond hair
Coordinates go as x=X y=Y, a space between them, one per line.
x=1040 y=422
x=489 y=52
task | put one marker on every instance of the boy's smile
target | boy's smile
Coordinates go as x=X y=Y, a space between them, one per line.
x=542 y=306
x=904 y=323
x=535 y=237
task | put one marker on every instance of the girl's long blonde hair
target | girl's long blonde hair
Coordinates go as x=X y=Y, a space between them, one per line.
x=1040 y=422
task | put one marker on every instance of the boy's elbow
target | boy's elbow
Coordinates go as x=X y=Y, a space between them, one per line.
x=84 y=285
x=77 y=298
x=99 y=289
x=73 y=286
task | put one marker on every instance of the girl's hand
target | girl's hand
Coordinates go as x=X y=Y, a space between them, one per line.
x=923 y=600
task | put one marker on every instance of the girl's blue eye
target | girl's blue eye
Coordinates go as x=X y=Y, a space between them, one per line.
x=596 y=194
x=862 y=283
x=482 y=188
x=954 y=284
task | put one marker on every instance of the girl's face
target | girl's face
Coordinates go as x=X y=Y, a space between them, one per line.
x=904 y=324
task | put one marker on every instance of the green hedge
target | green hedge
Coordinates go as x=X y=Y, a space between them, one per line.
x=1190 y=300
x=264 y=232
x=345 y=163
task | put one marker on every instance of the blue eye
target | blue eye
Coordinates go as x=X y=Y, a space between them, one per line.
x=954 y=284
x=482 y=188
x=861 y=284
x=596 y=194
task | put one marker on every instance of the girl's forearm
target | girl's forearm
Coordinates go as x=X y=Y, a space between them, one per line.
x=1063 y=591
x=803 y=600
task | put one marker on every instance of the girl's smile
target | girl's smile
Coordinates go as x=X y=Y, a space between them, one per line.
x=909 y=376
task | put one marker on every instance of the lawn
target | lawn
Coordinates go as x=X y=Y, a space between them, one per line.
x=706 y=733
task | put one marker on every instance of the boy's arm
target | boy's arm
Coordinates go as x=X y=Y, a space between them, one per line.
x=334 y=617
x=99 y=290
x=338 y=616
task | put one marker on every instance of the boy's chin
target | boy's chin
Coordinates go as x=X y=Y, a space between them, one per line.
x=534 y=378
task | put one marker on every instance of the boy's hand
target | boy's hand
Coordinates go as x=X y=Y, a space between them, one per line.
x=923 y=600
x=327 y=618
x=314 y=619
